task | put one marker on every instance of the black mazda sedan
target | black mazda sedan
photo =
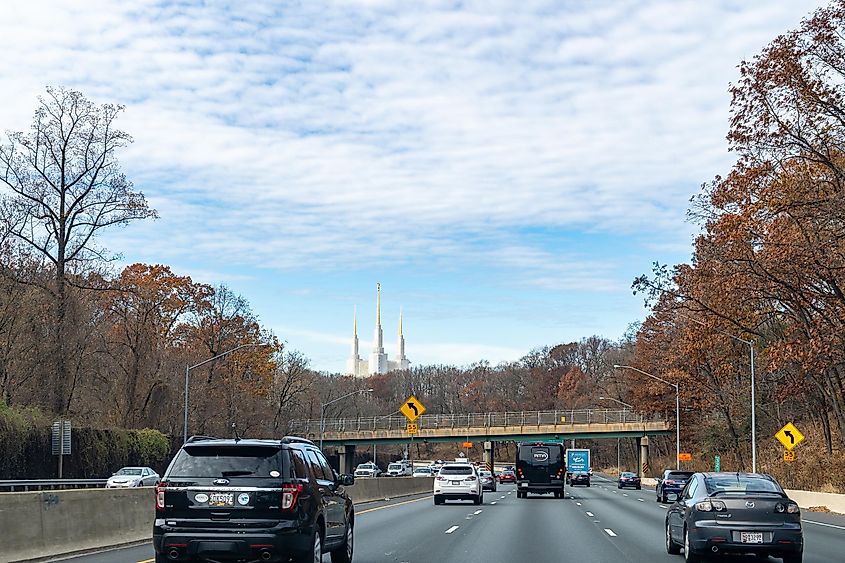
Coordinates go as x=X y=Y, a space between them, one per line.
x=720 y=513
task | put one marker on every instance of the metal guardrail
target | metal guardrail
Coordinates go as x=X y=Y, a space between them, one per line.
x=472 y=420
x=50 y=484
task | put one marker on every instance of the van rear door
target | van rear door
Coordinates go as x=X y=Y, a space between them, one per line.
x=533 y=462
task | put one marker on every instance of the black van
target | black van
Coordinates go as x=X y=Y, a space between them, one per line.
x=540 y=468
x=252 y=500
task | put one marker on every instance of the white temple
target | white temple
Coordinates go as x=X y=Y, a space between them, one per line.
x=378 y=362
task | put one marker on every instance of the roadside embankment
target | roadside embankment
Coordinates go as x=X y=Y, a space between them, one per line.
x=51 y=523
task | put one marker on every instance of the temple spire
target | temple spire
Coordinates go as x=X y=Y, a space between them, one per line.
x=400 y=321
x=355 y=321
x=378 y=304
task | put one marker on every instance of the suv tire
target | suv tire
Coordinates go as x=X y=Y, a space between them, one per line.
x=438 y=499
x=343 y=554
x=315 y=554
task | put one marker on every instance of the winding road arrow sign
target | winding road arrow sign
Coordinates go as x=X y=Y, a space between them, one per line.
x=412 y=408
x=789 y=436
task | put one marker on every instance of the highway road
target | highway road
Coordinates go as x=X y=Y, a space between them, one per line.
x=600 y=524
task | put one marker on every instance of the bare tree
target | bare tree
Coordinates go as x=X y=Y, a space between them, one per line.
x=63 y=185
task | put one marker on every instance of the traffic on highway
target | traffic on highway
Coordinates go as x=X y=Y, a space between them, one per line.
x=600 y=524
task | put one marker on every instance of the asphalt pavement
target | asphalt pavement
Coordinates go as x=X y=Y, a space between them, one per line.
x=599 y=524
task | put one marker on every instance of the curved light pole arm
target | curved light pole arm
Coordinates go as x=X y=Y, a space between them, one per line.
x=677 y=409
x=202 y=363
x=323 y=410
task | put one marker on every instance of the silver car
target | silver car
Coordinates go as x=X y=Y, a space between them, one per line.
x=133 y=477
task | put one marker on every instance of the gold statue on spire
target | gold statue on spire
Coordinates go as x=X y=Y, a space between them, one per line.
x=400 y=321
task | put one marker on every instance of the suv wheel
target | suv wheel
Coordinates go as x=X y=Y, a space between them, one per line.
x=315 y=555
x=343 y=554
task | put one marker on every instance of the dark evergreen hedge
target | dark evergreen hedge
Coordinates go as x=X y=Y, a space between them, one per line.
x=25 y=448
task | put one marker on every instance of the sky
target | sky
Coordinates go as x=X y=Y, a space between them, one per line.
x=504 y=169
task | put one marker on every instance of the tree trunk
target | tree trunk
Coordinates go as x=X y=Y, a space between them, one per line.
x=61 y=401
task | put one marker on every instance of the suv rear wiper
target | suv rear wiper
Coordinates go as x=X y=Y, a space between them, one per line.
x=236 y=473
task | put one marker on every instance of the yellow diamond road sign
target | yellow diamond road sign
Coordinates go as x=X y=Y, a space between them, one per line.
x=789 y=436
x=412 y=408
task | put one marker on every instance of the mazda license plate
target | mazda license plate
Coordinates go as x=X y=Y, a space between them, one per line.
x=221 y=499
x=751 y=537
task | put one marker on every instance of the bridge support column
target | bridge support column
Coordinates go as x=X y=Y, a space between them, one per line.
x=347 y=458
x=489 y=460
x=643 y=448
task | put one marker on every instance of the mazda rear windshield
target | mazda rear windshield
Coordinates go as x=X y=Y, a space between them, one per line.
x=740 y=484
x=227 y=461
x=456 y=470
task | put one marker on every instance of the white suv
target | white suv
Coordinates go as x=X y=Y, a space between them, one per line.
x=458 y=481
x=367 y=470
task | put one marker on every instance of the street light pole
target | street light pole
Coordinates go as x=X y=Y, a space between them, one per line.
x=750 y=345
x=618 y=456
x=677 y=409
x=323 y=410
x=187 y=373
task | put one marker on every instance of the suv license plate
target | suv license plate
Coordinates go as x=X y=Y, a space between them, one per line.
x=525 y=484
x=455 y=482
x=223 y=499
x=751 y=537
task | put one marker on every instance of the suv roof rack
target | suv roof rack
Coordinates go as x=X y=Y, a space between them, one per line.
x=296 y=440
x=201 y=438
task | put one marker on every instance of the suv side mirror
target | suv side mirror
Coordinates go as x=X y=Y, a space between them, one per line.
x=672 y=497
x=346 y=479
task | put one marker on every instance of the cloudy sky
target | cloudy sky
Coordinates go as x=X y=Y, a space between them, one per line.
x=503 y=168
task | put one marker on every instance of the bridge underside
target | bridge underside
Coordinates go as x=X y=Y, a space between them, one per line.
x=550 y=432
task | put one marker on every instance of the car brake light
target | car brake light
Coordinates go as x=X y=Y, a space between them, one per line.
x=792 y=508
x=160 y=488
x=668 y=482
x=470 y=478
x=290 y=492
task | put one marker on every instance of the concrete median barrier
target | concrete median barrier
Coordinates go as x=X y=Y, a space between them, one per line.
x=51 y=523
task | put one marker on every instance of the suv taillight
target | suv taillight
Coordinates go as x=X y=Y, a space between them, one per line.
x=290 y=492
x=160 y=488
x=470 y=478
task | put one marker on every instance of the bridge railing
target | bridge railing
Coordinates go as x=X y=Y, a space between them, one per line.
x=49 y=484
x=471 y=420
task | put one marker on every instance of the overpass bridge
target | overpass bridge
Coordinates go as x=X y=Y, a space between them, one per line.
x=555 y=425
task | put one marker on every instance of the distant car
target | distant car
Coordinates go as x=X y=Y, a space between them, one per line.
x=721 y=513
x=488 y=482
x=580 y=478
x=507 y=476
x=367 y=470
x=671 y=481
x=133 y=477
x=629 y=479
x=399 y=469
x=458 y=481
x=423 y=472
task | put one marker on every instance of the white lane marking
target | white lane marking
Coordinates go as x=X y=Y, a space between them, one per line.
x=824 y=524
x=590 y=514
x=494 y=502
x=452 y=529
x=624 y=494
x=664 y=507
x=510 y=492
x=641 y=500
x=610 y=532
x=578 y=503
x=478 y=512
x=502 y=497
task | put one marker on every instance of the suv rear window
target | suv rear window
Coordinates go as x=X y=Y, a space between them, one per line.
x=226 y=461
x=456 y=470
x=679 y=475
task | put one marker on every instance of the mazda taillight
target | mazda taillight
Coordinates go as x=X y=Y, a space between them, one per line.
x=160 y=488
x=290 y=492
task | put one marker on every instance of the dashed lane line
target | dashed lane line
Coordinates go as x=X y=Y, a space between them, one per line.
x=452 y=529
x=641 y=500
x=590 y=514
x=610 y=532
x=578 y=503
x=478 y=511
x=824 y=524
x=385 y=506
x=494 y=502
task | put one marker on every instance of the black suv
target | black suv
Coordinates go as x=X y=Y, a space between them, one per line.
x=252 y=501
